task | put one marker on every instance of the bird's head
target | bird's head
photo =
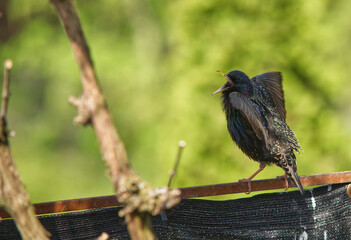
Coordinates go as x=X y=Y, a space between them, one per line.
x=237 y=81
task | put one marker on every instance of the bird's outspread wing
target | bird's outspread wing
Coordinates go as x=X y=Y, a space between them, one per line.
x=247 y=107
x=272 y=82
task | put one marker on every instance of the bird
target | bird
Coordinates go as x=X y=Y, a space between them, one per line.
x=256 y=121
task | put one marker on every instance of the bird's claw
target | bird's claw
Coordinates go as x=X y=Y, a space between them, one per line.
x=248 y=181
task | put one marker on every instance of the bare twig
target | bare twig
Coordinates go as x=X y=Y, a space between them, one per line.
x=5 y=89
x=13 y=196
x=173 y=172
x=137 y=196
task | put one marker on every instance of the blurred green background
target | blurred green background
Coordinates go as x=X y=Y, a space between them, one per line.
x=156 y=61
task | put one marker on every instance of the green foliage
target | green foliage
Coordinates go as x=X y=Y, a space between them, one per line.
x=156 y=62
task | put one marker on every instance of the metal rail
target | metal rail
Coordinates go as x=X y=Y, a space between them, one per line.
x=191 y=192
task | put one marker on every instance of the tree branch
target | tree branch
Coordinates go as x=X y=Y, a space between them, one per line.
x=137 y=196
x=13 y=196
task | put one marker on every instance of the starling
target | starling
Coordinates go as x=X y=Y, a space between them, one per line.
x=255 y=112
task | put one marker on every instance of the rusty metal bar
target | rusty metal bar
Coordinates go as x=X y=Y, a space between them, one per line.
x=191 y=192
x=267 y=184
x=71 y=205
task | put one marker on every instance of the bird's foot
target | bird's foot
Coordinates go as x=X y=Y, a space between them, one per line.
x=285 y=176
x=248 y=181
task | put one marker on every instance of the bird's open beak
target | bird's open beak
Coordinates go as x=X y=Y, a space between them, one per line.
x=223 y=88
x=219 y=90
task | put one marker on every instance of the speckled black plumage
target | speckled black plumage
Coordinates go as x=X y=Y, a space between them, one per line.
x=255 y=112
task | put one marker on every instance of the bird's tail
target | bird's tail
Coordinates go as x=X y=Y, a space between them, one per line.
x=296 y=178
x=289 y=165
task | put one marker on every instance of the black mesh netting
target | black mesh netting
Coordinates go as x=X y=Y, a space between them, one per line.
x=322 y=213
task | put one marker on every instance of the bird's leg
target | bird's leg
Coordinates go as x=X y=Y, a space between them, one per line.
x=285 y=176
x=248 y=180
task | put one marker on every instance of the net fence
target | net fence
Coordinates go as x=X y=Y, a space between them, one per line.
x=321 y=213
